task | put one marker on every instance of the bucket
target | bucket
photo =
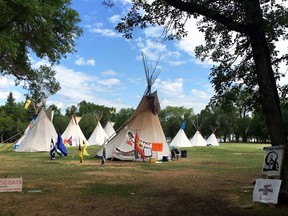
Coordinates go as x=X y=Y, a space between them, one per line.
x=165 y=158
x=184 y=153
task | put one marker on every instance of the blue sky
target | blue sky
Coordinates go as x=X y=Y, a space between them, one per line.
x=107 y=69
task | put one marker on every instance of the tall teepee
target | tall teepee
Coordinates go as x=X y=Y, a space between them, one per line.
x=38 y=137
x=145 y=123
x=98 y=136
x=181 y=140
x=74 y=132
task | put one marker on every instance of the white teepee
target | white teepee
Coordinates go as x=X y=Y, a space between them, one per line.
x=212 y=140
x=144 y=122
x=181 y=140
x=38 y=137
x=74 y=131
x=98 y=136
x=109 y=129
x=198 y=140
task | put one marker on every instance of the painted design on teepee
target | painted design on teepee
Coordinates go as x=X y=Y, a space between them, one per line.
x=144 y=121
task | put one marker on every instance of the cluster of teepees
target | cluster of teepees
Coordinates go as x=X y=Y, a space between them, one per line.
x=39 y=133
x=144 y=123
x=181 y=140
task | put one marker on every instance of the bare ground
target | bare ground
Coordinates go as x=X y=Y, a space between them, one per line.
x=184 y=191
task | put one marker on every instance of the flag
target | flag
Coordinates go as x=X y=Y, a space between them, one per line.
x=85 y=153
x=52 y=150
x=27 y=103
x=183 y=125
x=60 y=145
x=137 y=146
x=80 y=152
x=69 y=141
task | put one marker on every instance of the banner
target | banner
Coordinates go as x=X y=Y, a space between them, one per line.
x=272 y=161
x=11 y=184
x=158 y=147
x=266 y=191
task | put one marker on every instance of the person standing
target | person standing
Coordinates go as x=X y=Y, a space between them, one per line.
x=103 y=158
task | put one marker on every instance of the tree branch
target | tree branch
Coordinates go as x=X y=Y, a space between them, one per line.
x=202 y=9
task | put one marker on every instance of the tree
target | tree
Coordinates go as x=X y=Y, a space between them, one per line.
x=41 y=86
x=122 y=116
x=46 y=28
x=171 y=119
x=249 y=28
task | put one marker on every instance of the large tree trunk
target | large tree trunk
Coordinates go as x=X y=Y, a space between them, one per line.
x=269 y=97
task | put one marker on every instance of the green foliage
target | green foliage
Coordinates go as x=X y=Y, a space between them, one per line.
x=171 y=119
x=122 y=116
x=47 y=28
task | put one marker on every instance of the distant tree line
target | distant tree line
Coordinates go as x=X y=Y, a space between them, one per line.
x=231 y=120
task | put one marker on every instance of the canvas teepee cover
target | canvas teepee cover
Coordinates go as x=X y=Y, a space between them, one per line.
x=98 y=136
x=212 y=140
x=181 y=140
x=74 y=131
x=38 y=137
x=198 y=140
x=109 y=129
x=145 y=123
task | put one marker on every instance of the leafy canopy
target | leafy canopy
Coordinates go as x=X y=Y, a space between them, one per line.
x=46 y=28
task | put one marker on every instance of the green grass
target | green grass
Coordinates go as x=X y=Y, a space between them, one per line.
x=216 y=177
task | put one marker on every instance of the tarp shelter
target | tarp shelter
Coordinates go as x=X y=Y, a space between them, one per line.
x=38 y=137
x=74 y=132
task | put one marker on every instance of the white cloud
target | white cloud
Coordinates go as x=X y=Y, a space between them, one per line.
x=82 y=61
x=4 y=83
x=153 y=32
x=109 y=82
x=171 y=93
x=115 y=19
x=170 y=88
x=109 y=73
x=105 y=32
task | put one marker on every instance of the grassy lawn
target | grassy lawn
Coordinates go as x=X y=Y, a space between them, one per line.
x=210 y=181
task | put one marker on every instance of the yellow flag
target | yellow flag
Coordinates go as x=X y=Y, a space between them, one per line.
x=27 y=103
x=85 y=153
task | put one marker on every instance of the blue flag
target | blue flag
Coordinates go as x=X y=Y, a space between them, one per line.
x=183 y=125
x=60 y=146
x=52 y=150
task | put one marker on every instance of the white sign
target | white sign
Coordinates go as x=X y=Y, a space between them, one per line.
x=266 y=191
x=272 y=161
x=11 y=184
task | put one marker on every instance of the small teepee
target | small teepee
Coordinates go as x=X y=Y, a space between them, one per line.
x=212 y=140
x=181 y=140
x=38 y=137
x=109 y=129
x=98 y=136
x=74 y=132
x=197 y=139
x=144 y=123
